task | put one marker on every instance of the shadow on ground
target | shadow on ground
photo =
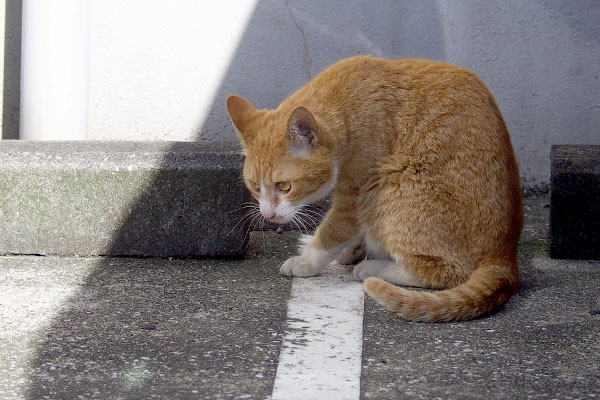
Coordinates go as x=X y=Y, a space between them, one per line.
x=163 y=328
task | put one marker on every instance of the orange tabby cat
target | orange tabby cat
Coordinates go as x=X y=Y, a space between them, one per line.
x=423 y=176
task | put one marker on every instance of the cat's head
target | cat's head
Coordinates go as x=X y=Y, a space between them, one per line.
x=288 y=162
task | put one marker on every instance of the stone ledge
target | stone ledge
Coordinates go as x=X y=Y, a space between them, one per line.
x=166 y=199
x=575 y=202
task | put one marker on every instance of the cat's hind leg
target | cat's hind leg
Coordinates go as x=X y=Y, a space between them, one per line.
x=352 y=253
x=438 y=272
x=388 y=270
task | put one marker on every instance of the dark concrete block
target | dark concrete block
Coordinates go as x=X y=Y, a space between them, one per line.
x=121 y=198
x=575 y=202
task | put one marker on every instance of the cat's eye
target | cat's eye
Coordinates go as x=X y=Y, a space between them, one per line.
x=284 y=186
x=254 y=186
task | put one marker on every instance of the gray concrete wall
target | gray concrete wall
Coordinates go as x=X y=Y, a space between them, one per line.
x=541 y=59
x=161 y=70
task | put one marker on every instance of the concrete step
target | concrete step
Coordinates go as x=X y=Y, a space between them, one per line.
x=178 y=199
x=575 y=202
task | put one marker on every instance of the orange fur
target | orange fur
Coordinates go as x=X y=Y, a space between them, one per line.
x=422 y=171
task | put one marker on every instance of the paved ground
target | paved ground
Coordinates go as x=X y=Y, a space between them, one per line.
x=160 y=328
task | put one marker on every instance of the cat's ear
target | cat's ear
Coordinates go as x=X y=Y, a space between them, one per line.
x=302 y=132
x=241 y=112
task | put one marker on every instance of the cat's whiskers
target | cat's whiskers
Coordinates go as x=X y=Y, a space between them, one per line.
x=306 y=218
x=299 y=219
x=252 y=212
x=300 y=223
x=243 y=206
x=297 y=222
x=316 y=215
x=311 y=209
x=266 y=244
x=253 y=217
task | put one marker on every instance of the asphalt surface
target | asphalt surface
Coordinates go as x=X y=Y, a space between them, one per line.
x=207 y=329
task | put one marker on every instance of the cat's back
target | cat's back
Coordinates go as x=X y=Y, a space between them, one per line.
x=365 y=65
x=411 y=73
x=366 y=82
x=437 y=116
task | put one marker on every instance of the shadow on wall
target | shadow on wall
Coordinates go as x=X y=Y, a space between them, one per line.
x=100 y=344
x=287 y=43
x=12 y=70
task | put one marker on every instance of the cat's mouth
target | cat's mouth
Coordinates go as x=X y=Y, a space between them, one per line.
x=281 y=213
x=304 y=218
x=278 y=220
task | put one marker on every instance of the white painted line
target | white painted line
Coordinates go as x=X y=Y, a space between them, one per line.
x=322 y=348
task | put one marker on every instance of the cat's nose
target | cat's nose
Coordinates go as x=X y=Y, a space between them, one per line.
x=267 y=210
x=268 y=214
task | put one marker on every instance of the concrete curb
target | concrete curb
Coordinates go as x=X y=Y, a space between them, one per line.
x=178 y=199
x=574 y=202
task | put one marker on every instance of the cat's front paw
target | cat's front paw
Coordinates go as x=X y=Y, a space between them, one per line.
x=299 y=266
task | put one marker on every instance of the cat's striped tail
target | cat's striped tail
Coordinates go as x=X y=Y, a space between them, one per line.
x=486 y=290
